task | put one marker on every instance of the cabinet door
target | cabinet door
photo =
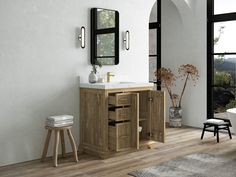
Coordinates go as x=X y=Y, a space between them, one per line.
x=157 y=115
x=135 y=120
x=93 y=123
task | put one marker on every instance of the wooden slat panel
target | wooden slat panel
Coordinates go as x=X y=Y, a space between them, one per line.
x=135 y=120
x=92 y=111
x=120 y=99
x=157 y=116
x=119 y=114
x=119 y=136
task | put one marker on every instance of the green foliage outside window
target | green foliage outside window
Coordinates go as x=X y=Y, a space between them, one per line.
x=222 y=78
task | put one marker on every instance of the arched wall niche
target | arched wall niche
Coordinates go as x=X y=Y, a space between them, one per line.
x=183 y=28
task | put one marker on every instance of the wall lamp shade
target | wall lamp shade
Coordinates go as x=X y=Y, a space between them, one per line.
x=127 y=40
x=82 y=37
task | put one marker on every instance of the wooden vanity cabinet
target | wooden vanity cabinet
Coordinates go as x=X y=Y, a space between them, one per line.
x=110 y=119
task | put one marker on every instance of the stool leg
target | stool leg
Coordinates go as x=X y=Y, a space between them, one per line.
x=63 y=148
x=73 y=145
x=56 y=147
x=45 y=149
x=203 y=131
x=217 y=133
x=229 y=132
x=214 y=131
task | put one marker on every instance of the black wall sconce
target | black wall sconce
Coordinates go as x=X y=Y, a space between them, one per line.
x=82 y=37
x=127 y=40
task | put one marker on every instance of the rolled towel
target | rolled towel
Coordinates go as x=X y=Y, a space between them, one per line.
x=62 y=124
x=60 y=118
x=58 y=122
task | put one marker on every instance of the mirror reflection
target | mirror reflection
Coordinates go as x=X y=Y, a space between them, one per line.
x=105 y=19
x=104 y=36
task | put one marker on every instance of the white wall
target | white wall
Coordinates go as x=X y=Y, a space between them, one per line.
x=40 y=60
x=184 y=41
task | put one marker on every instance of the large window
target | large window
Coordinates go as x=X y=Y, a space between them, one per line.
x=221 y=58
x=155 y=42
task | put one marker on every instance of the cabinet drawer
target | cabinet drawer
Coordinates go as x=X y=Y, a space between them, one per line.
x=120 y=99
x=119 y=114
x=119 y=136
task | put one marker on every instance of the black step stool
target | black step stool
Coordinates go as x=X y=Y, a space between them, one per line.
x=218 y=124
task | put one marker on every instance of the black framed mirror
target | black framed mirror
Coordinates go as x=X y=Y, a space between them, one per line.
x=104 y=36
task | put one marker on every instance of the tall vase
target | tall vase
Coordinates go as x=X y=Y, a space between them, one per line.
x=93 y=77
x=175 y=116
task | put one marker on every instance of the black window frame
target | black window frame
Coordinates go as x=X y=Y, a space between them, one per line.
x=211 y=19
x=157 y=25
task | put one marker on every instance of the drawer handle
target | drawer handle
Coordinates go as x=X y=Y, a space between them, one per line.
x=123 y=114
x=123 y=99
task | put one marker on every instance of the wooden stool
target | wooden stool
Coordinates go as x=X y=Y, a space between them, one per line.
x=218 y=124
x=58 y=130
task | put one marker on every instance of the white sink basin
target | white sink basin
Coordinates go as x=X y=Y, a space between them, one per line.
x=115 y=85
x=120 y=83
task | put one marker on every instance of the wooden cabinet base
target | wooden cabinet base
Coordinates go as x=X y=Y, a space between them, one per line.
x=110 y=120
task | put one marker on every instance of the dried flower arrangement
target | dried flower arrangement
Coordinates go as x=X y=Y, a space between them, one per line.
x=167 y=78
x=186 y=72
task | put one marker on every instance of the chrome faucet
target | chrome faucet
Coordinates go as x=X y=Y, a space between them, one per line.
x=109 y=75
